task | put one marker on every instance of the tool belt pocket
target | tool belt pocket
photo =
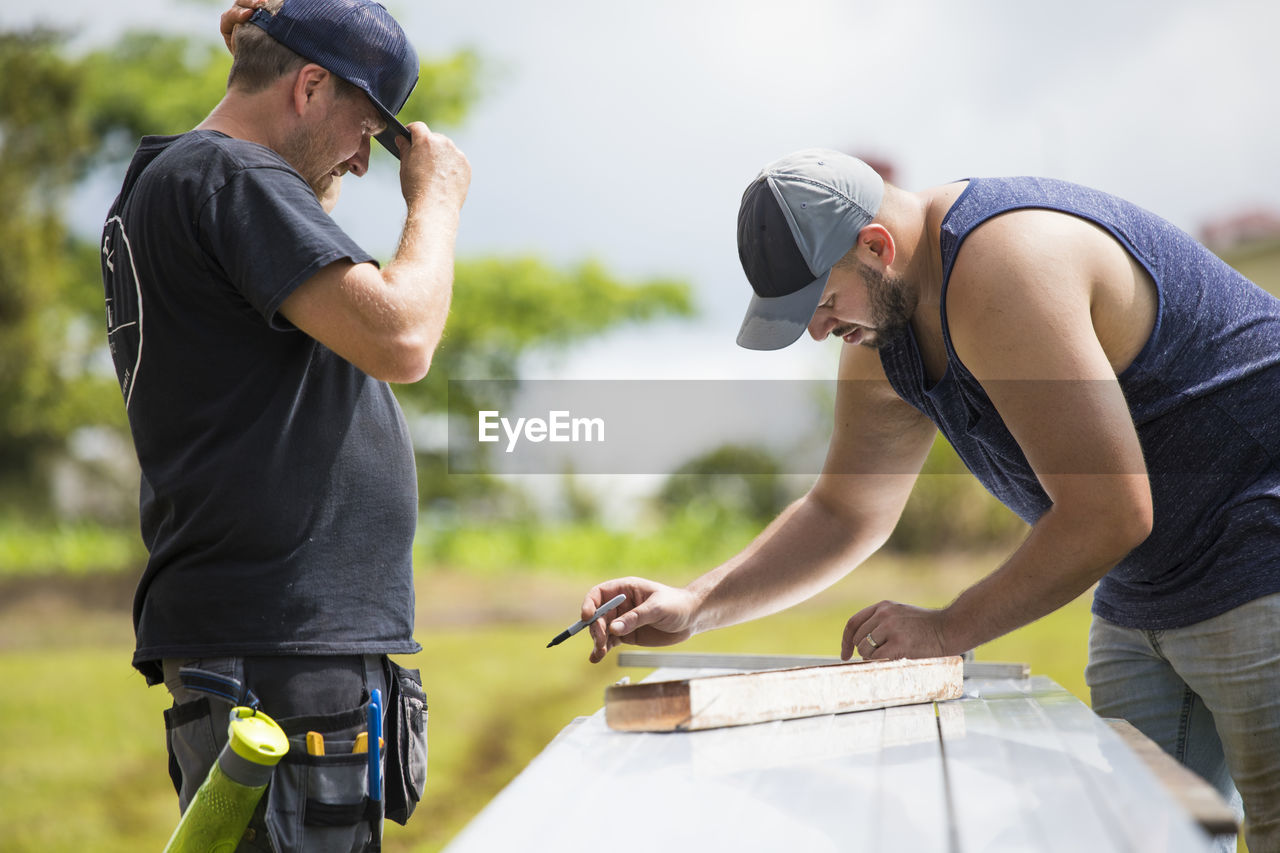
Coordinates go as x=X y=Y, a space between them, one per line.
x=191 y=740
x=320 y=802
x=406 y=736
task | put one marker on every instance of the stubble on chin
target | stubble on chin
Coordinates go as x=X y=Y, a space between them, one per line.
x=328 y=194
x=304 y=153
x=892 y=305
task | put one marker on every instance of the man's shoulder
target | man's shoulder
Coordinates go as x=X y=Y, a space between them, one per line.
x=211 y=151
x=195 y=167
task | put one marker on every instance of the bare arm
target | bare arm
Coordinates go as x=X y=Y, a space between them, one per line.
x=1021 y=319
x=389 y=321
x=877 y=448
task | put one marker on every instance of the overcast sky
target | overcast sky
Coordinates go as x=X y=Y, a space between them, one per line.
x=627 y=131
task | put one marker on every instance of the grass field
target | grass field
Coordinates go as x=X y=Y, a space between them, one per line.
x=82 y=762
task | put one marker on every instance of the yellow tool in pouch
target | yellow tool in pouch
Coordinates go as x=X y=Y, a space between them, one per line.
x=362 y=743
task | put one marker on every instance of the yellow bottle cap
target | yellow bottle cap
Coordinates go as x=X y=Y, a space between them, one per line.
x=256 y=737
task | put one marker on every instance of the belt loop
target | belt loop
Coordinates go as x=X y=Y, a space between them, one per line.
x=225 y=687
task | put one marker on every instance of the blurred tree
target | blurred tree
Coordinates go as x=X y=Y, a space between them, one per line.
x=501 y=309
x=580 y=505
x=950 y=509
x=62 y=116
x=47 y=138
x=731 y=481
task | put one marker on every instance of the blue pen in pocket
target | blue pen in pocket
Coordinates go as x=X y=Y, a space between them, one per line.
x=375 y=743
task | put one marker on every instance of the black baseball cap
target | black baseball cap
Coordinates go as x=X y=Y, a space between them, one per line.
x=799 y=216
x=357 y=40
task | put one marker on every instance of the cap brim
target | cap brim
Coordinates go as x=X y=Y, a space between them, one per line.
x=778 y=321
x=394 y=129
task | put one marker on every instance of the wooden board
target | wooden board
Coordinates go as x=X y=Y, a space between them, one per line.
x=738 y=699
x=711 y=660
x=714 y=660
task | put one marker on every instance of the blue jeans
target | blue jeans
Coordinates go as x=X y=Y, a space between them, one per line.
x=1209 y=695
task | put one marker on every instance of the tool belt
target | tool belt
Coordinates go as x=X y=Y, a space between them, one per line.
x=314 y=802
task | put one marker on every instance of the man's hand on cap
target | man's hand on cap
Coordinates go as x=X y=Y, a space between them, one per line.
x=432 y=166
x=240 y=12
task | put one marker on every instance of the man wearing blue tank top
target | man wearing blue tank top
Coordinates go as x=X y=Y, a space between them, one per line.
x=1105 y=376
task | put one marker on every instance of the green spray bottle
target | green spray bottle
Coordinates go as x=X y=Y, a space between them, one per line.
x=216 y=818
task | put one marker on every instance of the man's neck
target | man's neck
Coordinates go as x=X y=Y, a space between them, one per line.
x=926 y=212
x=235 y=116
x=911 y=224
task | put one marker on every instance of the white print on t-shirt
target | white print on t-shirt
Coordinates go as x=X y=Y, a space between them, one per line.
x=124 y=309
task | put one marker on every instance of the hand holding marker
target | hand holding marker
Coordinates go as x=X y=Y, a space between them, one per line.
x=602 y=610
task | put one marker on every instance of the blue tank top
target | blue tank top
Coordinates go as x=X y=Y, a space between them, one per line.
x=1205 y=397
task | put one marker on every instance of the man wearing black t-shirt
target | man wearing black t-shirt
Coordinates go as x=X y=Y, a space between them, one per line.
x=254 y=340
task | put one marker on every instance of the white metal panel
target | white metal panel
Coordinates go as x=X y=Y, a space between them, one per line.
x=993 y=809
x=1141 y=812
x=912 y=811
x=1035 y=769
x=1055 y=809
x=797 y=784
x=1019 y=766
x=867 y=781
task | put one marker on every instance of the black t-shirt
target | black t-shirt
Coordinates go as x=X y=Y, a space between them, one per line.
x=278 y=495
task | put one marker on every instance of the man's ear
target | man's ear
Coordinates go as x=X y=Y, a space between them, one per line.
x=875 y=246
x=307 y=85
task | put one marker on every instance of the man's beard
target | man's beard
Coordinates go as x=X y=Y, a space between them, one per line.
x=305 y=151
x=892 y=304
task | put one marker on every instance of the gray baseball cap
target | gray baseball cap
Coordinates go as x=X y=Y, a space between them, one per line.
x=798 y=217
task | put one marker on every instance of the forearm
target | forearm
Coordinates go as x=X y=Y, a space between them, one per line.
x=419 y=277
x=805 y=550
x=1061 y=558
x=410 y=302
